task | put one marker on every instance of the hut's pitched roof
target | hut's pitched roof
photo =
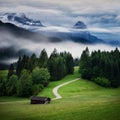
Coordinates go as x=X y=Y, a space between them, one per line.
x=39 y=98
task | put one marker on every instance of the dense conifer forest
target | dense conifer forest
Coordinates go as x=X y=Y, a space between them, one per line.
x=101 y=67
x=31 y=74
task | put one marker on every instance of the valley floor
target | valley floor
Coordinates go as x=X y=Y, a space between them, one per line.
x=82 y=100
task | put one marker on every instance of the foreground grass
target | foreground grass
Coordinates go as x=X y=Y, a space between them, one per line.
x=12 y=99
x=61 y=110
x=82 y=100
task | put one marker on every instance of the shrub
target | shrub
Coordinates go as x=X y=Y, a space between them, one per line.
x=40 y=76
x=102 y=81
x=37 y=88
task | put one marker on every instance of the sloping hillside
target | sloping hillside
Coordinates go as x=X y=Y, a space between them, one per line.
x=82 y=100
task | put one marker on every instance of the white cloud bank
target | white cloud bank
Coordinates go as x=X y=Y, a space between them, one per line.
x=7 y=40
x=65 y=12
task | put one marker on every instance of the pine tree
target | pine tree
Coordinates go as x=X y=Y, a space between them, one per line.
x=10 y=71
x=69 y=64
x=32 y=62
x=24 y=62
x=61 y=68
x=43 y=59
x=52 y=65
x=18 y=67
x=85 y=64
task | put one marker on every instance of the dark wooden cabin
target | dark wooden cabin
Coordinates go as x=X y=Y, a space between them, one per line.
x=40 y=100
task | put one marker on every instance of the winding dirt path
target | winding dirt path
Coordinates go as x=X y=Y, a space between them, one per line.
x=55 y=90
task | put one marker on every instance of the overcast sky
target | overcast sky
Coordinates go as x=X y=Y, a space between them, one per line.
x=95 y=13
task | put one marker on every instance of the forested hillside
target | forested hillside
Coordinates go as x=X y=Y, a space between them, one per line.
x=31 y=74
x=101 y=67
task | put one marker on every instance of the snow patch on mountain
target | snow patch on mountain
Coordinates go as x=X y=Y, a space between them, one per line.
x=20 y=19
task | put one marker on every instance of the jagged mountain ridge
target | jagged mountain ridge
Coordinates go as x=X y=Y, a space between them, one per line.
x=20 y=34
x=20 y=18
x=79 y=36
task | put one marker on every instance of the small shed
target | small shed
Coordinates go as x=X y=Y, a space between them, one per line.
x=40 y=100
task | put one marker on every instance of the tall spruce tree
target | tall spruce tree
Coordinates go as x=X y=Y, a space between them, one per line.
x=52 y=65
x=32 y=63
x=25 y=62
x=61 y=67
x=10 y=71
x=43 y=59
x=19 y=67
x=69 y=64
x=85 y=65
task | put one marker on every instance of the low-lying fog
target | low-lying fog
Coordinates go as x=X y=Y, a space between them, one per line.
x=36 y=47
x=37 y=43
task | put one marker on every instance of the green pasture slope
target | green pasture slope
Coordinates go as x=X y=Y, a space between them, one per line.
x=3 y=73
x=82 y=100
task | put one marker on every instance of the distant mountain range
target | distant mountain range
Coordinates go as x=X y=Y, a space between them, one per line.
x=82 y=36
x=78 y=33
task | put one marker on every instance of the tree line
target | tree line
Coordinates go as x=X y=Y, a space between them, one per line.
x=31 y=74
x=101 y=67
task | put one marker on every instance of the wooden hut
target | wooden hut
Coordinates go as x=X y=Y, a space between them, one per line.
x=40 y=100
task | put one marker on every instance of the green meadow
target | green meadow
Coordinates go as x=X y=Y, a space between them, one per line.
x=82 y=100
x=3 y=73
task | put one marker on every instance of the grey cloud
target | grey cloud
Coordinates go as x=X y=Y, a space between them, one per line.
x=65 y=12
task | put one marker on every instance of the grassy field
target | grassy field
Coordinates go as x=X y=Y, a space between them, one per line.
x=48 y=91
x=82 y=100
x=3 y=73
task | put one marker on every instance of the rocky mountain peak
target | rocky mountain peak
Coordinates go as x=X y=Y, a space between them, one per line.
x=20 y=18
x=80 y=25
